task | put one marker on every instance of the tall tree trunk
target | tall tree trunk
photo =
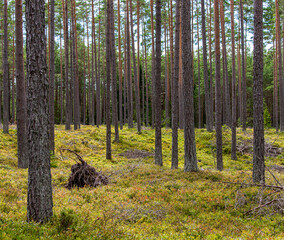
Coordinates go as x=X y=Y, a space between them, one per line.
x=153 y=65
x=190 y=159
x=13 y=82
x=258 y=122
x=180 y=84
x=39 y=182
x=136 y=80
x=244 y=85
x=226 y=93
x=205 y=70
x=66 y=49
x=218 y=110
x=276 y=110
x=211 y=95
x=113 y=71
x=147 y=87
x=51 y=78
x=6 y=88
x=234 y=105
x=125 y=82
x=89 y=71
x=120 y=68
x=172 y=51
x=158 y=106
x=21 y=90
x=108 y=78
x=92 y=96
x=198 y=62
x=240 y=77
x=84 y=81
x=280 y=66
x=99 y=118
x=129 y=95
x=61 y=81
x=175 y=99
x=167 y=87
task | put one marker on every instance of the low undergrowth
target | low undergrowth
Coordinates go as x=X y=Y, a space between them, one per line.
x=143 y=201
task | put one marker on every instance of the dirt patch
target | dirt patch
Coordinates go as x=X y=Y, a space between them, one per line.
x=130 y=154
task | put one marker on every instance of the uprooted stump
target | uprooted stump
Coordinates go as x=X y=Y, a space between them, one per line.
x=82 y=174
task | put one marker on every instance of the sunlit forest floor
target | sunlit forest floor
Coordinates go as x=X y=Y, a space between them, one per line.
x=144 y=201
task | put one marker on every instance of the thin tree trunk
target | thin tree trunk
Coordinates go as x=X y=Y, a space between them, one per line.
x=99 y=118
x=51 y=79
x=153 y=65
x=240 y=78
x=108 y=77
x=13 y=82
x=136 y=80
x=198 y=62
x=205 y=70
x=244 y=85
x=190 y=159
x=158 y=107
x=147 y=88
x=120 y=69
x=175 y=96
x=234 y=106
x=227 y=105
x=129 y=97
x=180 y=84
x=167 y=87
x=280 y=66
x=218 y=88
x=258 y=122
x=39 y=182
x=113 y=71
x=92 y=102
x=6 y=88
x=61 y=81
x=68 y=104
x=21 y=90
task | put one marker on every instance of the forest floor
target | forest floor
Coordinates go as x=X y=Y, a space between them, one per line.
x=144 y=201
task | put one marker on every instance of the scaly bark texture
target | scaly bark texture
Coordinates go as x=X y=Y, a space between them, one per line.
x=51 y=79
x=234 y=105
x=39 y=180
x=21 y=90
x=153 y=65
x=218 y=114
x=158 y=90
x=175 y=103
x=190 y=159
x=258 y=122
x=6 y=87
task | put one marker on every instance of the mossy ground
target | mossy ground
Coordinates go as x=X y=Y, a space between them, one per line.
x=143 y=201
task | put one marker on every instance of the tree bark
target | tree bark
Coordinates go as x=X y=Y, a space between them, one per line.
x=244 y=85
x=108 y=78
x=205 y=70
x=234 y=105
x=136 y=80
x=175 y=96
x=21 y=90
x=227 y=102
x=158 y=107
x=6 y=87
x=258 y=122
x=280 y=66
x=218 y=115
x=120 y=68
x=39 y=181
x=113 y=71
x=153 y=65
x=190 y=159
x=51 y=79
